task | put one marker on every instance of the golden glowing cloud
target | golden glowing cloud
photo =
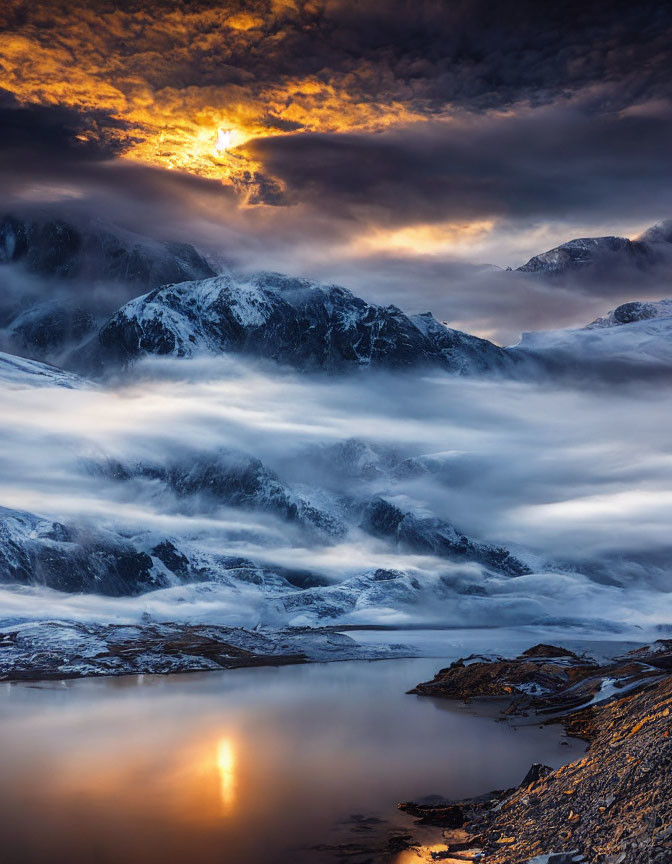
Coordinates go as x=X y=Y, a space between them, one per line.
x=171 y=79
x=425 y=239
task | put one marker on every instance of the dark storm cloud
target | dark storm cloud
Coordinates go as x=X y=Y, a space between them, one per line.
x=326 y=65
x=468 y=52
x=546 y=163
x=484 y=54
x=56 y=131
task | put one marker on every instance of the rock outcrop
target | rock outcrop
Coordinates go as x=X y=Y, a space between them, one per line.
x=612 y=806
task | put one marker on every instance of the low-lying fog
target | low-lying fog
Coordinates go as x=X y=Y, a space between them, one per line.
x=575 y=482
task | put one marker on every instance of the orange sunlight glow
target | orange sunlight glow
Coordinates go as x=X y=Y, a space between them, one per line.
x=425 y=239
x=226 y=767
x=224 y=141
x=125 y=70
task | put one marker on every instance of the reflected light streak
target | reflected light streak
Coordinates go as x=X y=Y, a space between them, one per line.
x=226 y=767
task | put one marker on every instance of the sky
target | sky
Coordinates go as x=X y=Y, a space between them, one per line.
x=396 y=146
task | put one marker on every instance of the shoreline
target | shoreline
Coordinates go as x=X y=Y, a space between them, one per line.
x=66 y=650
x=58 y=649
x=613 y=805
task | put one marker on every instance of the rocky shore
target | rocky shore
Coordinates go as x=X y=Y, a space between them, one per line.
x=613 y=806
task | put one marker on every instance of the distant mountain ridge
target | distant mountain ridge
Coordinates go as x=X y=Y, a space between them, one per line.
x=636 y=336
x=296 y=322
x=60 y=249
x=652 y=248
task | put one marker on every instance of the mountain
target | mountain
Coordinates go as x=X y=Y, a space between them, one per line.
x=36 y=550
x=653 y=248
x=634 y=336
x=630 y=313
x=58 y=249
x=46 y=328
x=75 y=558
x=34 y=650
x=432 y=536
x=203 y=481
x=293 y=321
x=62 y=279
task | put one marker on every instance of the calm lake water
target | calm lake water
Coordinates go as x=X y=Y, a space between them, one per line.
x=252 y=765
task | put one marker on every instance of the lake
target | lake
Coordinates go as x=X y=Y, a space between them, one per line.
x=251 y=765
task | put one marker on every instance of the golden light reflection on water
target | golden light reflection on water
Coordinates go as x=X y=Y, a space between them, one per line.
x=418 y=854
x=226 y=766
x=194 y=782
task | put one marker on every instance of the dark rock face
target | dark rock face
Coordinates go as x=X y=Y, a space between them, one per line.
x=443 y=814
x=46 y=328
x=633 y=311
x=614 y=805
x=40 y=552
x=170 y=556
x=536 y=773
x=436 y=537
x=292 y=321
x=229 y=478
x=54 y=248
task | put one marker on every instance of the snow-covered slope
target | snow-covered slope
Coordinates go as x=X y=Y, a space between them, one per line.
x=629 y=313
x=635 y=335
x=20 y=372
x=62 y=278
x=203 y=481
x=294 y=321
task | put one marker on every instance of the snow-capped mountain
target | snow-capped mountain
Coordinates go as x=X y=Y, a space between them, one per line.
x=294 y=321
x=654 y=247
x=204 y=493
x=629 y=313
x=37 y=551
x=202 y=481
x=635 y=335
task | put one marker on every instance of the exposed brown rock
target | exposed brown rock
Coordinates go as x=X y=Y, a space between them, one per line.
x=445 y=815
x=615 y=801
x=546 y=679
x=613 y=806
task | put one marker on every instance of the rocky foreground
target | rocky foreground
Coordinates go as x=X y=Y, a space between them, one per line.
x=613 y=806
